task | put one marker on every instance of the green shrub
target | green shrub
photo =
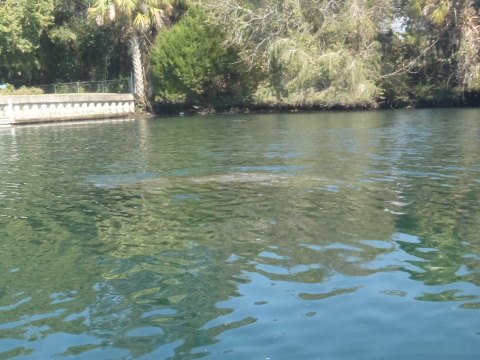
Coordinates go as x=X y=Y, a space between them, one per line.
x=192 y=65
x=24 y=90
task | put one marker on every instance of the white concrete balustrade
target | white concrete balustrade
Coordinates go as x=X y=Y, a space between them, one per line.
x=27 y=109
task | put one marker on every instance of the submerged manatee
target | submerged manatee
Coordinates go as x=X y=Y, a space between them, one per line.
x=154 y=181
x=242 y=177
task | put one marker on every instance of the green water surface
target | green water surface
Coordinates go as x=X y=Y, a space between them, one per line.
x=307 y=236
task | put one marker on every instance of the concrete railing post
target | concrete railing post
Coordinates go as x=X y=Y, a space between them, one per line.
x=9 y=111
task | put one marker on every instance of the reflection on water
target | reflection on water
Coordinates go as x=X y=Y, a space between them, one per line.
x=330 y=235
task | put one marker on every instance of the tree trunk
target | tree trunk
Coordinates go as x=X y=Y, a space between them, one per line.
x=138 y=71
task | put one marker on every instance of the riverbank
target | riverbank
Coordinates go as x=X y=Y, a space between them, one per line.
x=415 y=101
x=170 y=109
x=28 y=109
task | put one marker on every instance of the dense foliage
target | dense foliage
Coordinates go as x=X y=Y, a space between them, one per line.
x=22 y=23
x=313 y=52
x=48 y=41
x=289 y=53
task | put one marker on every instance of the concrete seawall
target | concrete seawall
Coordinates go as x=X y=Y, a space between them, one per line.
x=28 y=109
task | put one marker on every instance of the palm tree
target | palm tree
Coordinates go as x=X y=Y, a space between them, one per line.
x=458 y=24
x=436 y=11
x=138 y=20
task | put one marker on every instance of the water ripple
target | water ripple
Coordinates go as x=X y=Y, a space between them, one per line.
x=277 y=236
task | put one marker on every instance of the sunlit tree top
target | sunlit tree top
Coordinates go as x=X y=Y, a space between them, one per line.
x=139 y=15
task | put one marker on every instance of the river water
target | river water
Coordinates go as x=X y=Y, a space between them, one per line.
x=345 y=235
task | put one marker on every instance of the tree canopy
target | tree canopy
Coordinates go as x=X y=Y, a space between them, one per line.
x=22 y=23
x=289 y=53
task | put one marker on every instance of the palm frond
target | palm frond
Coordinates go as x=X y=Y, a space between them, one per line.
x=111 y=12
x=141 y=22
x=440 y=13
x=157 y=15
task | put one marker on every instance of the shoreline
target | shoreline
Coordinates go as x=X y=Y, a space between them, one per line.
x=73 y=108
x=195 y=110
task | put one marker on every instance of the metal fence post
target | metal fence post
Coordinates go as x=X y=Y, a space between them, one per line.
x=131 y=84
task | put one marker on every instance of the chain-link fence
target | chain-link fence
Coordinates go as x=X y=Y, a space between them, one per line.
x=121 y=86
